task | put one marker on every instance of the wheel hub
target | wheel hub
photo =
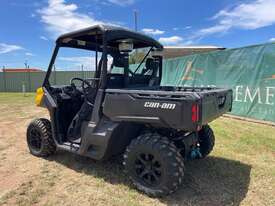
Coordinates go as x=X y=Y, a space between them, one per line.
x=148 y=169
x=35 y=139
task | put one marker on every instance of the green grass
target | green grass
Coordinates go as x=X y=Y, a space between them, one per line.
x=17 y=98
x=240 y=170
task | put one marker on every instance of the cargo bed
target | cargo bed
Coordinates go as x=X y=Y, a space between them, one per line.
x=181 y=108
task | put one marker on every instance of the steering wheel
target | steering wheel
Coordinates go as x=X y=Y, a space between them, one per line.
x=85 y=85
x=84 y=82
x=81 y=80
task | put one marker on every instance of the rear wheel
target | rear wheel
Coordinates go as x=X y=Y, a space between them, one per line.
x=206 y=140
x=154 y=164
x=39 y=138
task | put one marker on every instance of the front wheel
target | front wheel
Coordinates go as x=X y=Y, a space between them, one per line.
x=154 y=164
x=39 y=138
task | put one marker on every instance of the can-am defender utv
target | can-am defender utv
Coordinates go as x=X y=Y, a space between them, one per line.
x=156 y=127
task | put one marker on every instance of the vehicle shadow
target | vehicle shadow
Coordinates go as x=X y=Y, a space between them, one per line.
x=212 y=181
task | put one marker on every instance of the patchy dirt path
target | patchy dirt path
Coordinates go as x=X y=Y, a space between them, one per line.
x=240 y=171
x=16 y=165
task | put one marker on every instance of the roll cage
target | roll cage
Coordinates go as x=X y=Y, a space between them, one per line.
x=99 y=38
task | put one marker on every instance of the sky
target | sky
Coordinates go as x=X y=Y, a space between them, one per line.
x=29 y=28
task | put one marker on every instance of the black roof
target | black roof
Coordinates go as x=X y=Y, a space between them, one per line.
x=92 y=37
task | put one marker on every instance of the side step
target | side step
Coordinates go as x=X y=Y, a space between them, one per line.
x=71 y=147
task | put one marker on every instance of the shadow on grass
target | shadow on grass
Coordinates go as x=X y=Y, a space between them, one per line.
x=212 y=181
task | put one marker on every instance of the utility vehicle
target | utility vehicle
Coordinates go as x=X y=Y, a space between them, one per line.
x=156 y=127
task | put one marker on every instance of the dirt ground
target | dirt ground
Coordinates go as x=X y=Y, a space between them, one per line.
x=240 y=171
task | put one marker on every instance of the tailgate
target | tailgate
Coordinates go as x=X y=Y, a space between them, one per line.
x=215 y=103
x=158 y=108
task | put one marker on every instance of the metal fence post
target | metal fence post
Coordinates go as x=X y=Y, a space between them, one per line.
x=54 y=74
x=4 y=79
x=23 y=89
x=82 y=71
x=29 y=79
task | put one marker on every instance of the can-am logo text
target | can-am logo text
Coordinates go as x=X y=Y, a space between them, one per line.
x=160 y=105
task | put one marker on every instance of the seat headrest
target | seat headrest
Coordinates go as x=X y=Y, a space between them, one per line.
x=149 y=63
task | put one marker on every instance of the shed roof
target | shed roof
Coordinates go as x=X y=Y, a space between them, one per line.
x=21 y=70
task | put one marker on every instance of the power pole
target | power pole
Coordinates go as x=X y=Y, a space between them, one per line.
x=136 y=29
x=136 y=19
x=29 y=75
x=26 y=64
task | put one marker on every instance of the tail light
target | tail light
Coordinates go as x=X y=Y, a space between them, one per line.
x=195 y=113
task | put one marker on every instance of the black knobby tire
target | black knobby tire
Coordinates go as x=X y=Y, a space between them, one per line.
x=206 y=140
x=162 y=157
x=39 y=138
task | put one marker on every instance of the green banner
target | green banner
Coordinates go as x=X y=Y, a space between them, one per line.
x=249 y=71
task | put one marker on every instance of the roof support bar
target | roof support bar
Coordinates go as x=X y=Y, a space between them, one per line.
x=46 y=80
